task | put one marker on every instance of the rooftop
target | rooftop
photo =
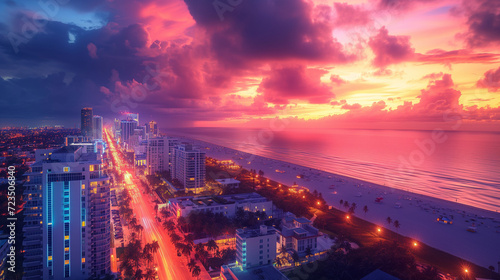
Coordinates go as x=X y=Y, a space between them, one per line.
x=267 y=272
x=262 y=231
x=379 y=275
x=228 y=181
x=203 y=201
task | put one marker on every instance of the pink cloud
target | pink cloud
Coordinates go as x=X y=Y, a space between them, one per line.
x=390 y=49
x=354 y=106
x=350 y=15
x=92 y=50
x=336 y=79
x=297 y=82
x=491 y=80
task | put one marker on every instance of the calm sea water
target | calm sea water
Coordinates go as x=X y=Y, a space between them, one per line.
x=460 y=166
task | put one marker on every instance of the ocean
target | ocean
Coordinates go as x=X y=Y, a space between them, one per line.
x=458 y=166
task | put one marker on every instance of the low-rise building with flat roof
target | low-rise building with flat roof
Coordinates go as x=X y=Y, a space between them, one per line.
x=224 y=204
x=266 y=272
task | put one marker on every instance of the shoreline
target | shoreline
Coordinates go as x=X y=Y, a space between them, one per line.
x=417 y=213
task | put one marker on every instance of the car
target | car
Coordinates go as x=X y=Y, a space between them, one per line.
x=444 y=220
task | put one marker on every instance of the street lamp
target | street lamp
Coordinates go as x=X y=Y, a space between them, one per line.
x=379 y=230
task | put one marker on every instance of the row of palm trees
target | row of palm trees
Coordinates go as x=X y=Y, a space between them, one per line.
x=185 y=246
x=135 y=257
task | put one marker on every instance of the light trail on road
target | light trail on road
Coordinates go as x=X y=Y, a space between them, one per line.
x=170 y=266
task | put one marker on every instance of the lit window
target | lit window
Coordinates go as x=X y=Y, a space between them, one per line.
x=91 y=168
x=66 y=262
x=83 y=186
x=66 y=249
x=66 y=169
x=50 y=258
x=83 y=223
x=66 y=237
x=83 y=260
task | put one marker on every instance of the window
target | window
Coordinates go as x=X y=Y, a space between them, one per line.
x=66 y=169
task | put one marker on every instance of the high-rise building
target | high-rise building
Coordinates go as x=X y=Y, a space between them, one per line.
x=117 y=128
x=152 y=128
x=256 y=247
x=66 y=216
x=188 y=166
x=127 y=128
x=132 y=117
x=97 y=127
x=157 y=155
x=86 y=118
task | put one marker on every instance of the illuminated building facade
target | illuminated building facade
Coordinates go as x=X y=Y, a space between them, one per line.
x=188 y=166
x=67 y=214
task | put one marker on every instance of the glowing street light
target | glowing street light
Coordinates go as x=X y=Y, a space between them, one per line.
x=466 y=270
x=319 y=203
x=379 y=230
x=415 y=244
x=347 y=217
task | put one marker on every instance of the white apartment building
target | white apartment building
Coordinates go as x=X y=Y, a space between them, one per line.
x=256 y=247
x=188 y=166
x=157 y=154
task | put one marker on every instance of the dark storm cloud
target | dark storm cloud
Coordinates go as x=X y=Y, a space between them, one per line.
x=267 y=29
x=483 y=20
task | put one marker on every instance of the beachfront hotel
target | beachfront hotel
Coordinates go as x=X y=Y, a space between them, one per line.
x=224 y=204
x=66 y=216
x=188 y=166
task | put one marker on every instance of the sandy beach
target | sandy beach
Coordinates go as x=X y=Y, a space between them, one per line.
x=416 y=213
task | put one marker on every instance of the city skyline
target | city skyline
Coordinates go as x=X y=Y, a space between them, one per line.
x=249 y=139
x=389 y=64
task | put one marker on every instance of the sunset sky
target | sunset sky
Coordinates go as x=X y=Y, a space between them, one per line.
x=357 y=64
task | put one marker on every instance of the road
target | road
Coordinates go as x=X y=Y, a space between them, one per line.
x=170 y=266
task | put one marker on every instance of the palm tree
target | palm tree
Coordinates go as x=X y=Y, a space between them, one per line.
x=155 y=246
x=189 y=239
x=138 y=274
x=148 y=257
x=150 y=274
x=389 y=220
x=212 y=246
x=169 y=224
x=191 y=264
x=186 y=250
x=396 y=224
x=174 y=237
x=346 y=204
x=365 y=209
x=133 y=222
x=139 y=228
x=196 y=271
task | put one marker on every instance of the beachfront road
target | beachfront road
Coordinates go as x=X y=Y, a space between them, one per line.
x=169 y=265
